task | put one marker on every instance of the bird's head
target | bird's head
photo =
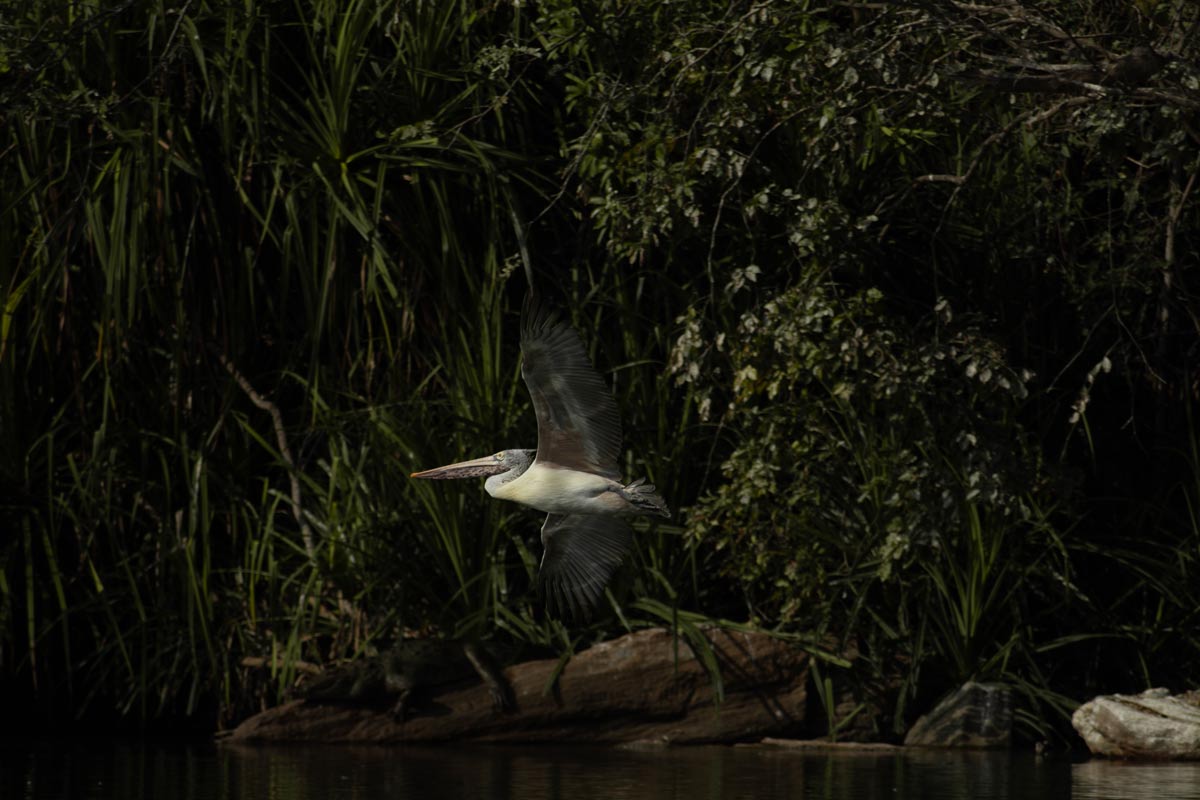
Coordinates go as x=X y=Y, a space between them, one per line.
x=495 y=464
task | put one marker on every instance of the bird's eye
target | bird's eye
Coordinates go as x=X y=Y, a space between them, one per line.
x=499 y=456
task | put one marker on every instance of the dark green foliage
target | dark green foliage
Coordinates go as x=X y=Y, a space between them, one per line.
x=860 y=439
x=931 y=246
x=897 y=301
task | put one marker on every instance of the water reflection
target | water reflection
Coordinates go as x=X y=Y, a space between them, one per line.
x=141 y=772
x=1093 y=780
x=710 y=773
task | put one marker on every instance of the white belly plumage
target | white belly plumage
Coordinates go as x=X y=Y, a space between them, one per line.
x=561 y=491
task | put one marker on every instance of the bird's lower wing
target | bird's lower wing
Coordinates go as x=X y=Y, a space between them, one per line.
x=582 y=552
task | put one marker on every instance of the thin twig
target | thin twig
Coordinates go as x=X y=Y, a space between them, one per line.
x=1164 y=293
x=285 y=452
x=277 y=662
x=937 y=178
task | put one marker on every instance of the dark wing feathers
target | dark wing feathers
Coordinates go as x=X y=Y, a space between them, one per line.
x=578 y=424
x=581 y=554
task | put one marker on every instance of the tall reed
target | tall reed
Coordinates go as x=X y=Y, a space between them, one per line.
x=257 y=263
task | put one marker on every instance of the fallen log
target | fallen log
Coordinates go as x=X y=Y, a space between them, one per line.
x=645 y=687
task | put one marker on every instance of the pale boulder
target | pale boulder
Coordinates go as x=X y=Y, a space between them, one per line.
x=1150 y=725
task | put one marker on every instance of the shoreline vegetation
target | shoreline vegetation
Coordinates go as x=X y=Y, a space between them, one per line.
x=898 y=301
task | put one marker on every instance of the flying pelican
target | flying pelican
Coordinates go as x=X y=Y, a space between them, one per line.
x=573 y=474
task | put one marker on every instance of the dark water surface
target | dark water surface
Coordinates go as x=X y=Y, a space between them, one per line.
x=33 y=771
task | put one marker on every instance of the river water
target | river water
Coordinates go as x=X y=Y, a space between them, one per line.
x=141 y=771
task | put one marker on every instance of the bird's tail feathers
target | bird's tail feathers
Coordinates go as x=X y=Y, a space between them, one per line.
x=645 y=499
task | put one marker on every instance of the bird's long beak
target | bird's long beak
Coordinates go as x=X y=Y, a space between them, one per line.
x=476 y=468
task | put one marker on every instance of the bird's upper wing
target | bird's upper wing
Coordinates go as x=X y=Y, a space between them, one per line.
x=582 y=551
x=578 y=424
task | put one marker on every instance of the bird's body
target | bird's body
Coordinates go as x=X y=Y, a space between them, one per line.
x=556 y=490
x=573 y=474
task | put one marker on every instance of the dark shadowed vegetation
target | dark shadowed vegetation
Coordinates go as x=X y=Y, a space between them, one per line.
x=898 y=302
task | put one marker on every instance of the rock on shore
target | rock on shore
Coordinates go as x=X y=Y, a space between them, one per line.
x=1150 y=725
x=976 y=715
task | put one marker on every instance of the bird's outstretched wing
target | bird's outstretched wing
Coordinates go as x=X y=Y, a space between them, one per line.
x=582 y=551
x=578 y=424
